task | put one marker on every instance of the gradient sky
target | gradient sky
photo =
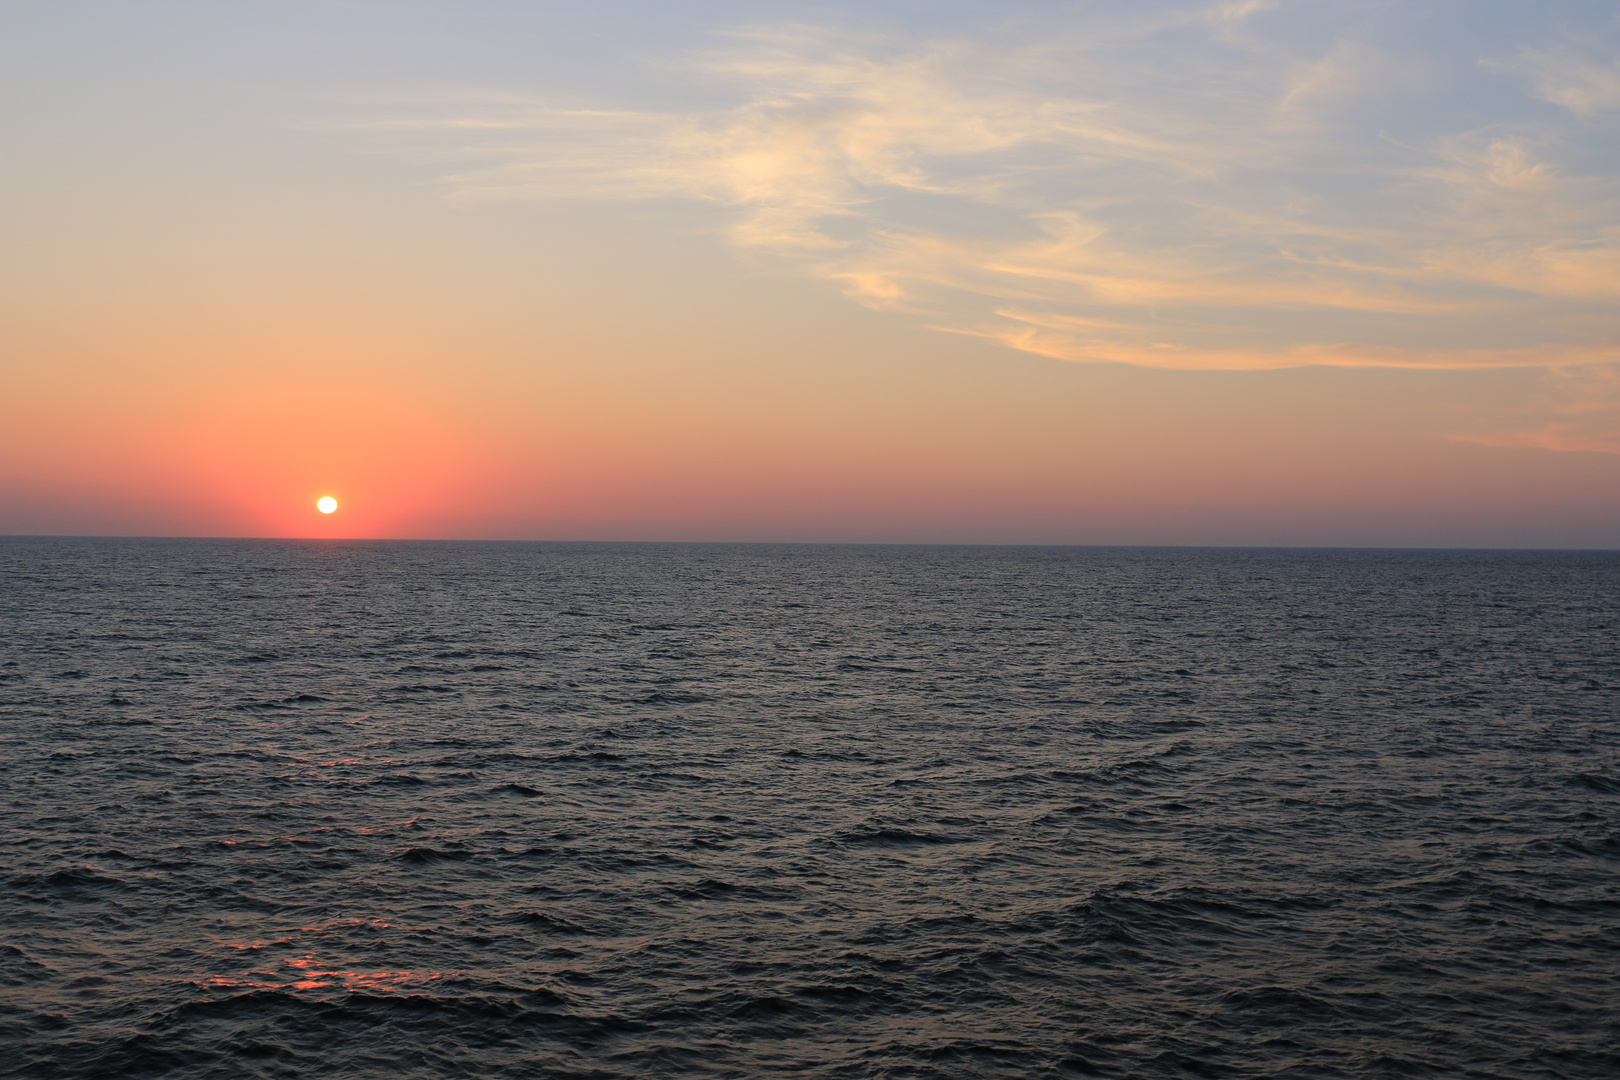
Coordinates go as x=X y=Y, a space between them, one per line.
x=1240 y=272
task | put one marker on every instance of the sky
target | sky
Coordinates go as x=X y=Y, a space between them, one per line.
x=1256 y=272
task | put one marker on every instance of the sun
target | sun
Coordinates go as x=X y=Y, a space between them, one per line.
x=326 y=504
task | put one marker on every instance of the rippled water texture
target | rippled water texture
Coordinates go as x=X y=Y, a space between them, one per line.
x=443 y=810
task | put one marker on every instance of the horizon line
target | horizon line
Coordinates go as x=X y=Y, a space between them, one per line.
x=819 y=543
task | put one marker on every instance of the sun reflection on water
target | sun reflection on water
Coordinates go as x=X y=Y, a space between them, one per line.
x=306 y=971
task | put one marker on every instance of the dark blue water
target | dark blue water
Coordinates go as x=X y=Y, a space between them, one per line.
x=478 y=810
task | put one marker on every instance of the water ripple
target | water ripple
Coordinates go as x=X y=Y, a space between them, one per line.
x=433 y=810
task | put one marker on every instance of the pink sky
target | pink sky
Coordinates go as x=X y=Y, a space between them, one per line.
x=1182 y=274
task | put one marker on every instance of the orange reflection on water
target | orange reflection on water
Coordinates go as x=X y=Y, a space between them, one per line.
x=305 y=972
x=308 y=973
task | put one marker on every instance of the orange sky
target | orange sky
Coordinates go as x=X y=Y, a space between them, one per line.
x=769 y=279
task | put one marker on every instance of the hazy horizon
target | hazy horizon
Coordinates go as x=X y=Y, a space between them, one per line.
x=689 y=542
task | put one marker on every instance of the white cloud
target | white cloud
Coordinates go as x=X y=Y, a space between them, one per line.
x=1120 y=192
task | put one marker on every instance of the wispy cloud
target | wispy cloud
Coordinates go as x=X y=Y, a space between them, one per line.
x=1180 y=190
x=1582 y=76
x=1580 y=411
x=1063 y=337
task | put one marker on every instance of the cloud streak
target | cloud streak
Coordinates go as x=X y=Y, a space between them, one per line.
x=1198 y=188
x=1579 y=411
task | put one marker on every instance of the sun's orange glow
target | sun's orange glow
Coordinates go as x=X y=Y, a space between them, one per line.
x=898 y=288
x=326 y=504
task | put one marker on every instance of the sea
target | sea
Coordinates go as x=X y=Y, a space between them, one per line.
x=432 y=810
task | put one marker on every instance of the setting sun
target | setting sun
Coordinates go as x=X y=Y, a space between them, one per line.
x=1181 y=438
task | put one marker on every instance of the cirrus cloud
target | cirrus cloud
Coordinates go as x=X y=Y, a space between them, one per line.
x=1197 y=187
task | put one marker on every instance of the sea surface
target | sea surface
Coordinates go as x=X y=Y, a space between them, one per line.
x=400 y=810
